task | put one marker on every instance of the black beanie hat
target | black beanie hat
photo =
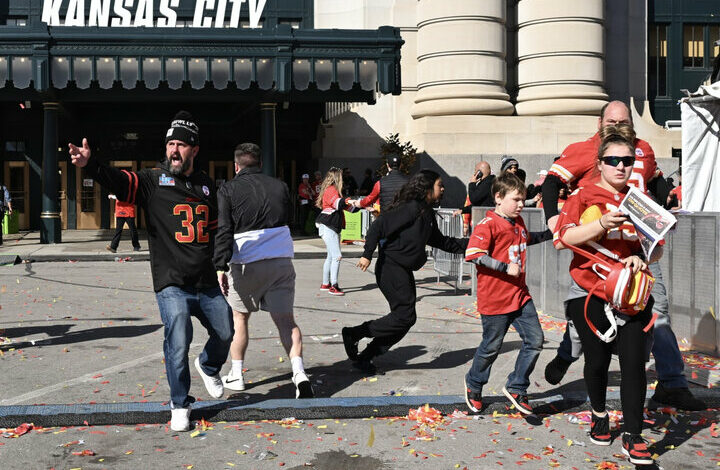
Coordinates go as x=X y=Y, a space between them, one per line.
x=183 y=128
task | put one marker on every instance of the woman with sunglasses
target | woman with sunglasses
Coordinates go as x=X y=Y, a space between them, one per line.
x=330 y=223
x=590 y=218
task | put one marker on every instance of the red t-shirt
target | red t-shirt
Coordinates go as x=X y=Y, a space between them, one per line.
x=586 y=205
x=577 y=166
x=305 y=191
x=499 y=293
x=677 y=192
x=124 y=209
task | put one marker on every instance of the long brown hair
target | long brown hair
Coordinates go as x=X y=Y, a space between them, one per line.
x=332 y=178
x=619 y=134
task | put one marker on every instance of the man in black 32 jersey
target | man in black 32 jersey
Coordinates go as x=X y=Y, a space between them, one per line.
x=181 y=212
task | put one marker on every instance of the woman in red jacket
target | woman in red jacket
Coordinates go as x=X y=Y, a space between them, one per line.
x=330 y=223
x=590 y=218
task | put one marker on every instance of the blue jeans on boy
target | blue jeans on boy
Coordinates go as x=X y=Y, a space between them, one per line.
x=669 y=363
x=331 y=268
x=209 y=306
x=495 y=327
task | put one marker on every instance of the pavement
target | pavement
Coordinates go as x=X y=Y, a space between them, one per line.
x=83 y=362
x=90 y=245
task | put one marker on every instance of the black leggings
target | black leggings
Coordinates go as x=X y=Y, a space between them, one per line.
x=397 y=283
x=631 y=350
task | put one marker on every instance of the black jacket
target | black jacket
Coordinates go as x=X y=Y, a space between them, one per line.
x=403 y=232
x=181 y=217
x=250 y=201
x=480 y=194
x=390 y=185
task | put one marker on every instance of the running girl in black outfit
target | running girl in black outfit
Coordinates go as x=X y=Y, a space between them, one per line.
x=402 y=232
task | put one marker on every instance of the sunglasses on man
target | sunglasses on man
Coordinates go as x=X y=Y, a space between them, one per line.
x=614 y=160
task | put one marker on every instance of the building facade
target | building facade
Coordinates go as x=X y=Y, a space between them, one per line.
x=117 y=72
x=484 y=78
x=322 y=83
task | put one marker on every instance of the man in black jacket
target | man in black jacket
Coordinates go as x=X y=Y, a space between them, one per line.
x=254 y=240
x=181 y=212
x=387 y=187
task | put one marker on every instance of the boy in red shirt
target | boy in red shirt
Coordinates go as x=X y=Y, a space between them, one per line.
x=497 y=248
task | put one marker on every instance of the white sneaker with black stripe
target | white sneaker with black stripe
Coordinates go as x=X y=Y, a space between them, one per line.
x=234 y=381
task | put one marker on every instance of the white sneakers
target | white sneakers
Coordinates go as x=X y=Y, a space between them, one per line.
x=303 y=388
x=180 y=420
x=234 y=382
x=213 y=384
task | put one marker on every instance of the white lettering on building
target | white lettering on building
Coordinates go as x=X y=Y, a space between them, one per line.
x=136 y=13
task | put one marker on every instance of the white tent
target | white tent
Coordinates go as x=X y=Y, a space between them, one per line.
x=701 y=149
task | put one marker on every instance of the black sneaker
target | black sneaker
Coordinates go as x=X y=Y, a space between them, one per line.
x=635 y=447
x=681 y=398
x=520 y=401
x=556 y=369
x=110 y=249
x=137 y=248
x=351 y=346
x=366 y=366
x=600 y=430
x=473 y=399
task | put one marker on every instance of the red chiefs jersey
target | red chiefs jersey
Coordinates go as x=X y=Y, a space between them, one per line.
x=499 y=293
x=586 y=205
x=577 y=166
x=124 y=209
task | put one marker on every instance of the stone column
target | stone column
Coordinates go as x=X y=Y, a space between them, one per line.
x=561 y=67
x=461 y=58
x=51 y=225
x=267 y=137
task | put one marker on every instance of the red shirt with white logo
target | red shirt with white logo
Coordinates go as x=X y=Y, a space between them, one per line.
x=499 y=293
x=584 y=206
x=577 y=166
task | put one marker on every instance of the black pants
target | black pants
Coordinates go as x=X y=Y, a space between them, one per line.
x=631 y=350
x=397 y=284
x=2 y=216
x=119 y=223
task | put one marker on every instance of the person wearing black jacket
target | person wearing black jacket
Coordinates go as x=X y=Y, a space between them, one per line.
x=254 y=239
x=402 y=231
x=181 y=213
x=479 y=188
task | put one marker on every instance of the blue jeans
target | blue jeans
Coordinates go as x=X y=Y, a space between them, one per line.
x=495 y=327
x=331 y=268
x=209 y=306
x=668 y=360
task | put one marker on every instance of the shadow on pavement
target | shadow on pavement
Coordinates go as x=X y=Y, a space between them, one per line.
x=90 y=334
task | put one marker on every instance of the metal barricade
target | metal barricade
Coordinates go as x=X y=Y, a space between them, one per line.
x=690 y=267
x=449 y=264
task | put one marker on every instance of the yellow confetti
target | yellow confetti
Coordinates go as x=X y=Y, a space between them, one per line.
x=569 y=442
x=322 y=426
x=712 y=312
x=241 y=452
x=280 y=359
x=195 y=433
x=230 y=463
x=373 y=379
x=371 y=439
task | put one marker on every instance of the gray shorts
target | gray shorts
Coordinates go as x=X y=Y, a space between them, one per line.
x=267 y=285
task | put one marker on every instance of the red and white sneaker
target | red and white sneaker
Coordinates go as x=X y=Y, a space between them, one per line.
x=325 y=287
x=335 y=290
x=520 y=401
x=635 y=447
x=600 y=430
x=473 y=399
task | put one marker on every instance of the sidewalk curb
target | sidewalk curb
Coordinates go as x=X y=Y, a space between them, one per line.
x=128 y=257
x=278 y=409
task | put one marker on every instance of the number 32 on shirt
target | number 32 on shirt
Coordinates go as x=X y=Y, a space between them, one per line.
x=190 y=232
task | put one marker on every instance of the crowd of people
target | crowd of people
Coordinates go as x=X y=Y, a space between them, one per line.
x=220 y=255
